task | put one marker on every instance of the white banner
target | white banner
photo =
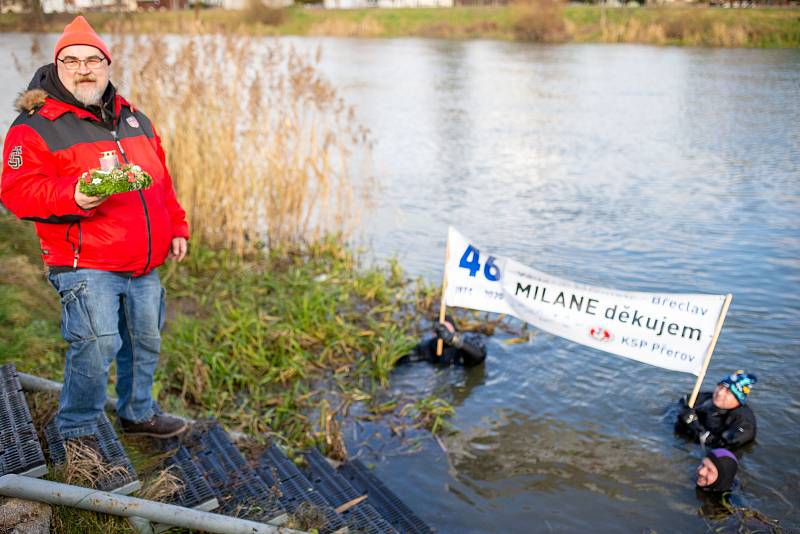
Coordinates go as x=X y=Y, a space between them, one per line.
x=667 y=330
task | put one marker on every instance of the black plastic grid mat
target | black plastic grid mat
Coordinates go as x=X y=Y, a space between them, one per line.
x=123 y=481
x=238 y=488
x=9 y=381
x=274 y=467
x=333 y=486
x=196 y=492
x=338 y=491
x=365 y=519
x=20 y=450
x=383 y=499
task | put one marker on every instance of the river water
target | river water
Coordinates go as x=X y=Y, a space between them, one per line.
x=636 y=167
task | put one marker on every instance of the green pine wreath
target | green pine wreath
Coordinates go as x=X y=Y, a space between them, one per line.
x=99 y=183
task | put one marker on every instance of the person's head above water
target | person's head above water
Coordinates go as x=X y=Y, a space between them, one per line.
x=717 y=471
x=732 y=391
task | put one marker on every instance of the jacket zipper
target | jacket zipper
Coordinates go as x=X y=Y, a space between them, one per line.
x=76 y=251
x=141 y=197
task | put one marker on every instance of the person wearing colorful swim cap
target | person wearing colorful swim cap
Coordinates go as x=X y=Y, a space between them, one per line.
x=721 y=418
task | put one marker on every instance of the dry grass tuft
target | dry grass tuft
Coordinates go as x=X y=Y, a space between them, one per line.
x=684 y=27
x=307 y=517
x=85 y=466
x=161 y=486
x=540 y=21
x=635 y=31
x=257 y=12
x=366 y=27
x=263 y=150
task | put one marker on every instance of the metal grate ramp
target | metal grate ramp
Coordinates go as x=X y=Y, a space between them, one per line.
x=20 y=450
x=275 y=468
x=338 y=491
x=196 y=492
x=382 y=499
x=236 y=485
x=124 y=481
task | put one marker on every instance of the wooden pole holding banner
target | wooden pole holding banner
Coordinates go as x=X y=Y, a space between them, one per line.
x=713 y=344
x=442 y=306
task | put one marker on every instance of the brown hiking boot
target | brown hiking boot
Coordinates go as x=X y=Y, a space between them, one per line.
x=159 y=426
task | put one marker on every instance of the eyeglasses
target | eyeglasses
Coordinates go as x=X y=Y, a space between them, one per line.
x=73 y=63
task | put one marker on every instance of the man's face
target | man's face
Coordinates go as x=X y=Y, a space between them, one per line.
x=723 y=398
x=706 y=473
x=86 y=84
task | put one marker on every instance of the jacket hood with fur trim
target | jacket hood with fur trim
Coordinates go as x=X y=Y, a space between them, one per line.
x=31 y=100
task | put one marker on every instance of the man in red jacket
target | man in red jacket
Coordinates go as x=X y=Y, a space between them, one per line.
x=101 y=252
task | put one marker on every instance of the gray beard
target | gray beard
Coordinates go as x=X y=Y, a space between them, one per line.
x=92 y=97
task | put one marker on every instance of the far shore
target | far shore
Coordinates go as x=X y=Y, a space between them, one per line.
x=665 y=25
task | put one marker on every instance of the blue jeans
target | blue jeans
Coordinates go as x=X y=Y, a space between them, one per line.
x=103 y=316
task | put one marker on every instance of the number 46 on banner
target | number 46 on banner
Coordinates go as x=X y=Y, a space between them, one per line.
x=471 y=261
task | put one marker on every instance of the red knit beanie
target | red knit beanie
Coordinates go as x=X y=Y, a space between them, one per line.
x=79 y=32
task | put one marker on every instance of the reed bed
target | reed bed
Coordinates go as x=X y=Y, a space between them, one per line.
x=366 y=27
x=263 y=151
x=540 y=21
x=688 y=27
x=678 y=24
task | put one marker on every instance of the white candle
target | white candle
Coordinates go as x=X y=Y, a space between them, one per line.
x=108 y=161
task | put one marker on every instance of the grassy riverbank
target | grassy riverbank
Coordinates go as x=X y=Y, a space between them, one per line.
x=271 y=343
x=679 y=25
x=279 y=344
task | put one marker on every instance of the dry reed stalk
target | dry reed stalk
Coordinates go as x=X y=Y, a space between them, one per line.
x=262 y=149
x=331 y=431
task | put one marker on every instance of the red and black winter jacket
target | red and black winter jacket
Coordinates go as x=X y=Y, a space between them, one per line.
x=47 y=149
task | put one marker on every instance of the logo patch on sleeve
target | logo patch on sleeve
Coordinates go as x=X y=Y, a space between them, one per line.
x=15 y=157
x=132 y=121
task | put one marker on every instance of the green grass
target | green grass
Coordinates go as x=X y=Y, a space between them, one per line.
x=672 y=25
x=29 y=315
x=260 y=342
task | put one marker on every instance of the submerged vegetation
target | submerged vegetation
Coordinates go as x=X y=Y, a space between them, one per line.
x=526 y=20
